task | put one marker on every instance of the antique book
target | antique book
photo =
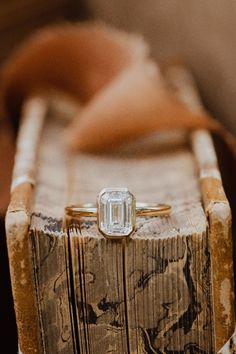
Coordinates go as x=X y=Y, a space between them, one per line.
x=167 y=289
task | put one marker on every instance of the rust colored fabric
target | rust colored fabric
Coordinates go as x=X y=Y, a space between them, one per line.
x=121 y=90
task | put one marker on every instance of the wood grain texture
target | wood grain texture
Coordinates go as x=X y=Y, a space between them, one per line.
x=220 y=235
x=126 y=299
x=154 y=294
x=49 y=244
x=17 y=227
x=53 y=291
x=218 y=212
x=230 y=346
x=19 y=252
x=167 y=300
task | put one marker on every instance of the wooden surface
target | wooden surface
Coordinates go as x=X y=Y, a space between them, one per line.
x=219 y=217
x=217 y=210
x=18 y=222
x=230 y=346
x=155 y=294
x=126 y=298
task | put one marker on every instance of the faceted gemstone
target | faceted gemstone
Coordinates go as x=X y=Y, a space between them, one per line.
x=116 y=212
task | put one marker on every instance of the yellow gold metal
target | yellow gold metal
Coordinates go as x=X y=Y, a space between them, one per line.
x=152 y=209
x=84 y=210
x=142 y=209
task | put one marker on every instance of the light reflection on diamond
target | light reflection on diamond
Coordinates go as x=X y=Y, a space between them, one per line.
x=116 y=212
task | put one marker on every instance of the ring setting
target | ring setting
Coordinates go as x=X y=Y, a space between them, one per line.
x=116 y=210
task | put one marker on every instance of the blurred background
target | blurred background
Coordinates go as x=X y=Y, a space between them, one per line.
x=200 y=34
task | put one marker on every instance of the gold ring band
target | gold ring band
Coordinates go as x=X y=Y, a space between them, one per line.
x=142 y=209
x=116 y=211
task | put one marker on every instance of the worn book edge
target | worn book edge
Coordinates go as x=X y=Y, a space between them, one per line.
x=18 y=222
x=219 y=215
x=217 y=209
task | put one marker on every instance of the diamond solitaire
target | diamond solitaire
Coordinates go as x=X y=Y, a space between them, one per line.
x=116 y=212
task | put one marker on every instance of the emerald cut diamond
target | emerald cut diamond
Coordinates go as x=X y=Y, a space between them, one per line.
x=116 y=212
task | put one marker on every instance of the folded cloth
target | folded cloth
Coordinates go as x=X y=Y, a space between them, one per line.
x=121 y=90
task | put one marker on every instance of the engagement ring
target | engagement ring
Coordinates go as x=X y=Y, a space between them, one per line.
x=116 y=210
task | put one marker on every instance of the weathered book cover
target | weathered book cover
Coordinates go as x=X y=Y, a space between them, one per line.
x=169 y=289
